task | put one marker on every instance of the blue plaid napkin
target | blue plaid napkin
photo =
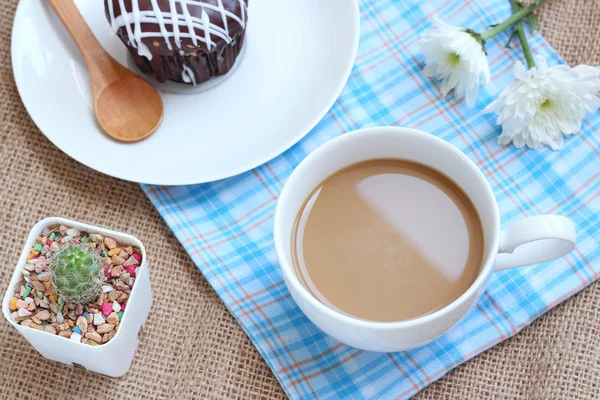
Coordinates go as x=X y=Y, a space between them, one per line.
x=226 y=226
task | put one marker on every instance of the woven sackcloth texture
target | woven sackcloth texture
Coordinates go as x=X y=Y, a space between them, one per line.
x=191 y=346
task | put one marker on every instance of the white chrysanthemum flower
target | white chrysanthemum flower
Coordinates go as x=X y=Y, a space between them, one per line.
x=457 y=58
x=545 y=104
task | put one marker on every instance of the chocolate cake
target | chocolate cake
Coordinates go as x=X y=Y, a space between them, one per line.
x=186 y=41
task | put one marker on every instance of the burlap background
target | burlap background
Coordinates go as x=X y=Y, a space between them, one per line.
x=191 y=346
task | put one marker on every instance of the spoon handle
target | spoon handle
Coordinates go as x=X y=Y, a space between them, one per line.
x=102 y=67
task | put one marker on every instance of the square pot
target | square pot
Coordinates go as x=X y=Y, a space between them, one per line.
x=113 y=358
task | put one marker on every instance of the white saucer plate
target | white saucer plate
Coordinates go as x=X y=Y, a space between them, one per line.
x=299 y=55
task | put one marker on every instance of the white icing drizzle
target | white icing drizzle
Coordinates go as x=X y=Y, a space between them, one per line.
x=127 y=23
x=161 y=23
x=188 y=75
x=188 y=20
x=134 y=38
x=173 y=9
x=223 y=16
x=199 y=29
x=205 y=23
x=143 y=50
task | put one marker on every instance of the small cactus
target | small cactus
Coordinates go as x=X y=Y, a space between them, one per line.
x=77 y=274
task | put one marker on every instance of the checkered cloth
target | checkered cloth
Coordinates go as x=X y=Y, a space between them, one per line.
x=227 y=226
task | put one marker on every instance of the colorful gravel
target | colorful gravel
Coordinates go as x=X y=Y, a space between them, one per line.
x=37 y=305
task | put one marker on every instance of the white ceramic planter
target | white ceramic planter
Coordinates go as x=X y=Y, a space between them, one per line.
x=113 y=358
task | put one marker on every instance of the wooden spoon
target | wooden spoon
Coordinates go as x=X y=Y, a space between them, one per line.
x=127 y=107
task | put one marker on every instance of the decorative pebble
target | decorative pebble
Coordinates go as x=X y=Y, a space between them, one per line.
x=131 y=261
x=38 y=286
x=45 y=303
x=43 y=315
x=21 y=304
x=115 y=294
x=36 y=320
x=106 y=309
x=137 y=256
x=98 y=319
x=116 y=271
x=82 y=324
x=50 y=329
x=12 y=304
x=130 y=270
x=113 y=318
x=96 y=237
x=128 y=250
x=43 y=276
x=123 y=298
x=116 y=306
x=106 y=289
x=70 y=323
x=59 y=318
x=37 y=247
x=66 y=239
x=76 y=337
x=114 y=251
x=117 y=260
x=27 y=290
x=110 y=243
x=77 y=330
x=95 y=336
x=23 y=312
x=120 y=315
x=105 y=328
x=123 y=306
x=122 y=287
x=54 y=246
x=62 y=326
x=73 y=232
x=66 y=333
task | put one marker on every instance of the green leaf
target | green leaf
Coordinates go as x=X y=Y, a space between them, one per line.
x=532 y=21
x=511 y=37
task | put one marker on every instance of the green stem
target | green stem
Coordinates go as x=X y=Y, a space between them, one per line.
x=522 y=38
x=516 y=17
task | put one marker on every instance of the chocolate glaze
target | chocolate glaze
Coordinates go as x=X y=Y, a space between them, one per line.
x=181 y=59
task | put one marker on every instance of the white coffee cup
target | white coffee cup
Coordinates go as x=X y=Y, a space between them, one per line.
x=528 y=241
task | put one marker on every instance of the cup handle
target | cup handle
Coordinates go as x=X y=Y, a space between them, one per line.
x=534 y=240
